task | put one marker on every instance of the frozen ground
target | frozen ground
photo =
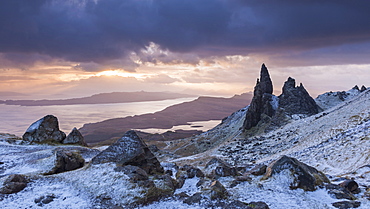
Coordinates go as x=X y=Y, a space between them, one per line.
x=336 y=141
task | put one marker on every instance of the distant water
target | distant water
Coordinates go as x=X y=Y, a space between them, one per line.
x=16 y=119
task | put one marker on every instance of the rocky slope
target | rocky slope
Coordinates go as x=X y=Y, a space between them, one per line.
x=309 y=161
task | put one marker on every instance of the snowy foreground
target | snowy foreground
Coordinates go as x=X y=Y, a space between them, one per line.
x=335 y=141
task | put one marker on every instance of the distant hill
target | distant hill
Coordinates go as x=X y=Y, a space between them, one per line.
x=201 y=109
x=103 y=98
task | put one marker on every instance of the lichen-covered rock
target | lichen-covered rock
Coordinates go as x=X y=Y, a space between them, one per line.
x=130 y=150
x=13 y=184
x=45 y=130
x=66 y=160
x=304 y=176
x=75 y=137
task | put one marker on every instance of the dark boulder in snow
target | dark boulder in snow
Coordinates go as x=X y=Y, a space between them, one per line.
x=258 y=170
x=188 y=171
x=216 y=168
x=296 y=100
x=217 y=191
x=45 y=130
x=13 y=184
x=66 y=160
x=347 y=204
x=262 y=100
x=304 y=176
x=351 y=186
x=339 y=192
x=75 y=137
x=43 y=200
x=130 y=150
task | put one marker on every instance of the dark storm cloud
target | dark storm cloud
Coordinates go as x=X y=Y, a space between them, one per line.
x=104 y=30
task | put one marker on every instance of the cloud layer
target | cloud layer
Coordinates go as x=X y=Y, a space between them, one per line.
x=101 y=32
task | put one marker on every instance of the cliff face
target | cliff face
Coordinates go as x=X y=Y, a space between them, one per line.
x=296 y=100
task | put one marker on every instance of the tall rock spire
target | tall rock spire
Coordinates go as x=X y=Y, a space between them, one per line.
x=265 y=80
x=261 y=100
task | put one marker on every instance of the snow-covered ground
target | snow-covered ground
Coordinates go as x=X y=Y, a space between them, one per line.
x=335 y=141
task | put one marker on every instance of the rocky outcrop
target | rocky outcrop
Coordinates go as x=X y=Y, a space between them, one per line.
x=13 y=184
x=66 y=160
x=45 y=130
x=262 y=99
x=273 y=110
x=296 y=100
x=304 y=176
x=130 y=150
x=75 y=137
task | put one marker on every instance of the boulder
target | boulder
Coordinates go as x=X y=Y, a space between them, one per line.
x=130 y=150
x=347 y=204
x=66 y=160
x=339 y=192
x=216 y=191
x=45 y=130
x=262 y=100
x=258 y=170
x=216 y=168
x=304 y=176
x=75 y=137
x=188 y=171
x=43 y=200
x=351 y=186
x=13 y=183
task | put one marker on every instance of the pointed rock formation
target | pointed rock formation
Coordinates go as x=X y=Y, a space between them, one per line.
x=130 y=150
x=261 y=102
x=296 y=100
x=363 y=88
x=45 y=130
x=75 y=137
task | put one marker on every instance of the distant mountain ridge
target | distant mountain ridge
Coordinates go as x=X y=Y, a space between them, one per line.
x=201 y=109
x=103 y=98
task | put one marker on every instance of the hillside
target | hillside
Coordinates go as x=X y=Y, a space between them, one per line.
x=103 y=98
x=201 y=109
x=307 y=160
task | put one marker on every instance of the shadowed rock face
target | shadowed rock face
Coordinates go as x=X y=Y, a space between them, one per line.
x=293 y=101
x=130 y=150
x=45 y=130
x=75 y=137
x=261 y=102
x=296 y=100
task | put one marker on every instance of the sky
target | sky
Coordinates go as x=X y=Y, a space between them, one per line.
x=71 y=48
